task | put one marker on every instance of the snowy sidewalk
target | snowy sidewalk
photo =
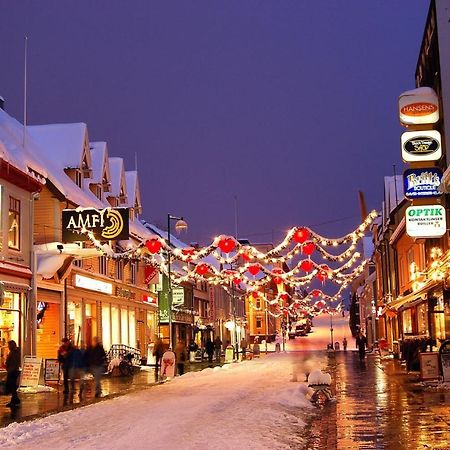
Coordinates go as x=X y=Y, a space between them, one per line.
x=253 y=405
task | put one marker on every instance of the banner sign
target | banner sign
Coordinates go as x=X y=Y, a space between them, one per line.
x=422 y=183
x=106 y=224
x=31 y=371
x=177 y=297
x=150 y=273
x=418 y=146
x=425 y=221
x=418 y=106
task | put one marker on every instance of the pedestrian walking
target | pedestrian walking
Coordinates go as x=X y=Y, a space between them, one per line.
x=77 y=365
x=12 y=364
x=209 y=348
x=217 y=348
x=158 y=351
x=278 y=342
x=256 y=350
x=63 y=355
x=344 y=344
x=244 y=345
x=96 y=358
x=361 y=343
x=180 y=356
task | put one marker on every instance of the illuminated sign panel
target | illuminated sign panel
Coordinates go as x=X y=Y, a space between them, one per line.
x=420 y=146
x=105 y=224
x=418 y=106
x=425 y=221
x=93 y=285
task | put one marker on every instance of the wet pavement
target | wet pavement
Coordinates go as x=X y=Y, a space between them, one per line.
x=45 y=403
x=380 y=406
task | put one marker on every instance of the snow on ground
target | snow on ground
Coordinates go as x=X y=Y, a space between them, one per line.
x=251 y=405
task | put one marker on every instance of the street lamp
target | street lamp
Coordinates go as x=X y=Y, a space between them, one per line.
x=180 y=226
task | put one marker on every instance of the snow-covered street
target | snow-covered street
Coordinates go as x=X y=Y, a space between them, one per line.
x=255 y=404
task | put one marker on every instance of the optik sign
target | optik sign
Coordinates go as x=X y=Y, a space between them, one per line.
x=105 y=224
x=427 y=221
x=422 y=183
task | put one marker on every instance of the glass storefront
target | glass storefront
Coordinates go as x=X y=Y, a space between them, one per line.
x=124 y=326
x=407 y=321
x=74 y=321
x=422 y=319
x=106 y=326
x=9 y=323
x=115 y=325
x=132 y=328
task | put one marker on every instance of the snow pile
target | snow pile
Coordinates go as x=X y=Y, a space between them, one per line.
x=35 y=389
x=318 y=377
x=250 y=405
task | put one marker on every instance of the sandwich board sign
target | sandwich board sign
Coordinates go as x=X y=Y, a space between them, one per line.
x=31 y=371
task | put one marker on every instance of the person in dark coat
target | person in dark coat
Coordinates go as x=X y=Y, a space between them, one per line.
x=63 y=355
x=180 y=356
x=361 y=343
x=77 y=364
x=12 y=364
x=158 y=351
x=209 y=348
x=96 y=359
x=217 y=348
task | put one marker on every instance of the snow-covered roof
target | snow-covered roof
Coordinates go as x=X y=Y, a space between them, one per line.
x=117 y=171
x=63 y=142
x=133 y=191
x=13 y=151
x=100 y=162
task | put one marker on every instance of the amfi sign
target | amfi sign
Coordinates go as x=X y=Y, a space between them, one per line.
x=425 y=221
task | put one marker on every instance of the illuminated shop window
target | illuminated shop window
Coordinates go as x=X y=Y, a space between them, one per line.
x=258 y=322
x=14 y=224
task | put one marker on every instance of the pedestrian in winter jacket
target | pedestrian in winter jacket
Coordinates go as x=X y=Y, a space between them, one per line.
x=209 y=348
x=244 y=345
x=63 y=355
x=96 y=358
x=217 y=348
x=180 y=356
x=12 y=364
x=158 y=351
x=361 y=343
x=77 y=365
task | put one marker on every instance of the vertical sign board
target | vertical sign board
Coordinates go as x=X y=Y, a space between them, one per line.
x=425 y=221
x=429 y=365
x=31 y=371
x=51 y=370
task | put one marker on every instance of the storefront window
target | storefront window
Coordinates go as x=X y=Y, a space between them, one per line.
x=422 y=318
x=407 y=321
x=106 y=326
x=74 y=322
x=14 y=223
x=151 y=323
x=438 y=318
x=115 y=325
x=91 y=321
x=9 y=323
x=124 y=326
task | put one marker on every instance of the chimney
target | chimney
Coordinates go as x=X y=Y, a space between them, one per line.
x=2 y=103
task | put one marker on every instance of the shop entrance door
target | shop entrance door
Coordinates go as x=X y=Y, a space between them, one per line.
x=88 y=329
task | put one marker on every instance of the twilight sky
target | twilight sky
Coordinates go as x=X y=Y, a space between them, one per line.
x=288 y=105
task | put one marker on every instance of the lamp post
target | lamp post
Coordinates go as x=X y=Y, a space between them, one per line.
x=180 y=226
x=331 y=331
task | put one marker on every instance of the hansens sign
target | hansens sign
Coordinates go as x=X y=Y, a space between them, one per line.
x=106 y=224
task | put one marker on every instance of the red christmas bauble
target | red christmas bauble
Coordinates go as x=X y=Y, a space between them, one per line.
x=254 y=269
x=202 y=269
x=284 y=296
x=227 y=245
x=308 y=249
x=255 y=294
x=153 y=245
x=245 y=257
x=301 y=235
x=237 y=281
x=315 y=292
x=306 y=265
x=322 y=276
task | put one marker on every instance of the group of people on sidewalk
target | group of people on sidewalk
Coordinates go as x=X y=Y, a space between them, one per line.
x=76 y=362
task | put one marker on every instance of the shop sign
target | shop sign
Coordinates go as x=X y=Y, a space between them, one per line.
x=93 y=285
x=420 y=146
x=425 y=221
x=149 y=299
x=51 y=371
x=150 y=273
x=125 y=293
x=429 y=365
x=418 y=106
x=177 y=296
x=106 y=224
x=31 y=371
x=422 y=183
